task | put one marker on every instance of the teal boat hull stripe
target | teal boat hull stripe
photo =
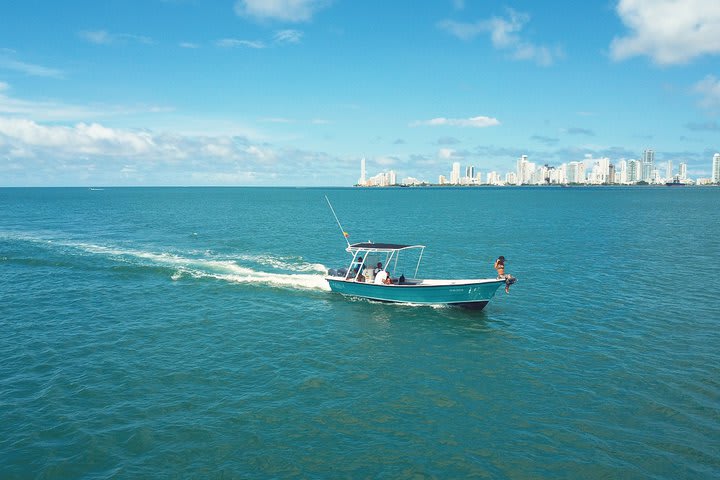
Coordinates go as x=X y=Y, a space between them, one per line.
x=471 y=295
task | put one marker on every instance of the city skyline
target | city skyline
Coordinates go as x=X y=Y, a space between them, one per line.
x=590 y=171
x=293 y=92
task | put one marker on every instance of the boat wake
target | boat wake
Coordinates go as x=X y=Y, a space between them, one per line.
x=262 y=269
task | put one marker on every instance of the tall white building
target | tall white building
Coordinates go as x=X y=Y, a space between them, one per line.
x=682 y=171
x=363 y=173
x=455 y=174
x=576 y=172
x=669 y=170
x=538 y=176
x=600 y=173
x=716 y=168
x=634 y=171
x=621 y=171
x=648 y=165
x=524 y=170
x=562 y=173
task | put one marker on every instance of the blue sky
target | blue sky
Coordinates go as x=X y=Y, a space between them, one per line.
x=295 y=92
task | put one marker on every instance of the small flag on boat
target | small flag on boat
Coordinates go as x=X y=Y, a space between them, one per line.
x=345 y=234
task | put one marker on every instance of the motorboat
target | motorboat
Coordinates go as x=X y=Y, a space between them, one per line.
x=369 y=259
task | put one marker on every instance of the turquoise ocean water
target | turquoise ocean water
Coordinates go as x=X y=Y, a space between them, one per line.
x=188 y=333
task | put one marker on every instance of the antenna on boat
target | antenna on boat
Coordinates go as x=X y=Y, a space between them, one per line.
x=344 y=233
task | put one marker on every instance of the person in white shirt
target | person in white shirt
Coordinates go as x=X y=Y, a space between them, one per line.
x=382 y=278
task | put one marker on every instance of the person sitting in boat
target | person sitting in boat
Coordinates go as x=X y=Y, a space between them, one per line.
x=500 y=267
x=360 y=277
x=369 y=274
x=358 y=265
x=383 y=278
x=378 y=268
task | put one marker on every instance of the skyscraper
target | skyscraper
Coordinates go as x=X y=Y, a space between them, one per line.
x=716 y=168
x=621 y=171
x=520 y=166
x=648 y=165
x=668 y=170
x=523 y=170
x=470 y=172
x=575 y=172
x=634 y=171
x=363 y=173
x=392 y=178
x=682 y=171
x=455 y=175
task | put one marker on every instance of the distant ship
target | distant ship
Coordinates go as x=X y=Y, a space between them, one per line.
x=675 y=183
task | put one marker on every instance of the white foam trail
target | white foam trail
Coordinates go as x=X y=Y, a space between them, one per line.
x=222 y=269
x=285 y=263
x=228 y=270
x=304 y=281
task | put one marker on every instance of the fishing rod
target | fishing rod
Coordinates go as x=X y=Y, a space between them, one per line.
x=344 y=233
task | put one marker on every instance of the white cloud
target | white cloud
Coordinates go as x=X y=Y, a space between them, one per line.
x=99 y=37
x=82 y=139
x=9 y=63
x=464 y=31
x=446 y=153
x=504 y=35
x=281 y=10
x=225 y=178
x=92 y=153
x=277 y=120
x=668 y=31
x=49 y=110
x=477 y=122
x=234 y=43
x=709 y=89
x=94 y=139
x=288 y=36
x=261 y=154
x=188 y=45
x=218 y=150
x=386 y=161
x=103 y=37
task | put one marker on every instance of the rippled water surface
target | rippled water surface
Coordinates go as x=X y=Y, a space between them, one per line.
x=153 y=333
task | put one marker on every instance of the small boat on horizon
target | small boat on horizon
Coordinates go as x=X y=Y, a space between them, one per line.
x=360 y=280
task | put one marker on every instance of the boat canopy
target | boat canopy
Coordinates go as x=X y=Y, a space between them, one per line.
x=380 y=247
x=364 y=251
